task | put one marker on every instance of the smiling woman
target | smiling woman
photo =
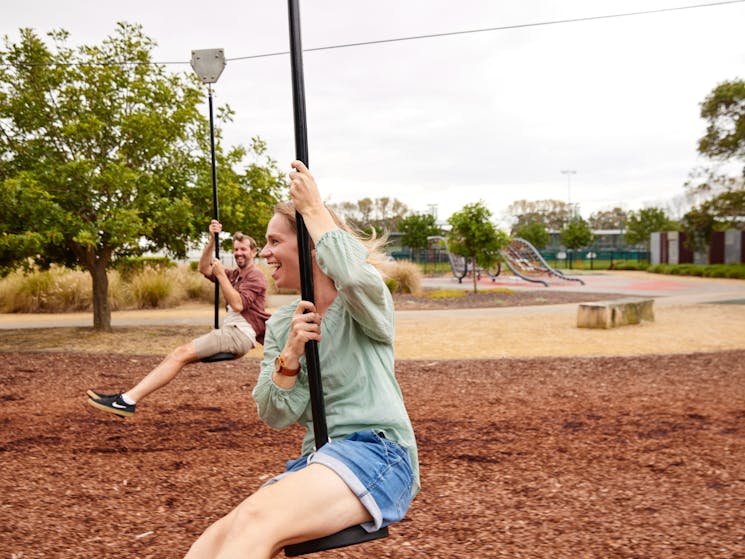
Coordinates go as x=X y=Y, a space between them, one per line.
x=364 y=474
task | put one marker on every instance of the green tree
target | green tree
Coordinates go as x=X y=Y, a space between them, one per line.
x=698 y=224
x=576 y=235
x=642 y=223
x=724 y=110
x=724 y=211
x=105 y=154
x=416 y=229
x=535 y=233
x=723 y=205
x=475 y=237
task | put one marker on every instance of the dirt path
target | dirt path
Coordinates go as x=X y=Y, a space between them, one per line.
x=552 y=331
x=548 y=330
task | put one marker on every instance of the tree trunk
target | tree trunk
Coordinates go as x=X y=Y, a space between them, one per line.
x=101 y=309
x=475 y=274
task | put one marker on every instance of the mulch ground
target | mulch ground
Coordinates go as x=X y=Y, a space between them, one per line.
x=535 y=458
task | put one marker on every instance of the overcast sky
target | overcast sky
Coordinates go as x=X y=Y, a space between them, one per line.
x=492 y=116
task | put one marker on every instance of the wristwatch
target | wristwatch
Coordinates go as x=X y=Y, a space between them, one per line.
x=280 y=368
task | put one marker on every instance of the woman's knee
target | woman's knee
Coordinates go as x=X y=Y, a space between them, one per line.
x=252 y=526
x=250 y=516
x=211 y=540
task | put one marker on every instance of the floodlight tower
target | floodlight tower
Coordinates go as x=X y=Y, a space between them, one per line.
x=569 y=173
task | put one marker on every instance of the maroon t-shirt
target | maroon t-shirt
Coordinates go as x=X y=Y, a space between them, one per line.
x=252 y=289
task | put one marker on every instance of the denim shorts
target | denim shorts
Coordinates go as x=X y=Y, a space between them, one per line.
x=377 y=469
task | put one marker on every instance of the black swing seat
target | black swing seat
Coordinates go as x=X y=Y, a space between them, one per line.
x=222 y=356
x=348 y=536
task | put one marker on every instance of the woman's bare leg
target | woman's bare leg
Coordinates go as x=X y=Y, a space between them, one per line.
x=302 y=506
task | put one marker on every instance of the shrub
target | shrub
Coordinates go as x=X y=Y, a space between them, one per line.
x=120 y=296
x=73 y=291
x=446 y=294
x=131 y=265
x=733 y=271
x=192 y=284
x=271 y=287
x=392 y=285
x=406 y=276
x=153 y=288
x=54 y=290
x=629 y=265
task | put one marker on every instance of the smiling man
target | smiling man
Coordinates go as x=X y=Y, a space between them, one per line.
x=244 y=289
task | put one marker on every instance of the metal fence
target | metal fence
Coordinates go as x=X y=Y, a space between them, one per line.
x=558 y=258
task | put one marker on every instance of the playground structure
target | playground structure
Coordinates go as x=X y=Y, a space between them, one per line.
x=520 y=257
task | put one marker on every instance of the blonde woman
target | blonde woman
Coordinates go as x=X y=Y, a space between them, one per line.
x=368 y=473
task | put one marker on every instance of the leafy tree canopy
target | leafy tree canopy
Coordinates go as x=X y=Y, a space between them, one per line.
x=721 y=197
x=417 y=228
x=535 y=233
x=474 y=236
x=105 y=154
x=724 y=111
x=576 y=234
x=642 y=223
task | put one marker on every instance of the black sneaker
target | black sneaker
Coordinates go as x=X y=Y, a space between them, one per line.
x=93 y=395
x=113 y=404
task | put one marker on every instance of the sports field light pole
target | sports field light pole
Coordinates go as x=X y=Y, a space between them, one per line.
x=569 y=173
x=353 y=534
x=208 y=65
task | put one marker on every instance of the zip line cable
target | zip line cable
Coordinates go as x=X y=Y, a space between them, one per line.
x=416 y=37
x=490 y=29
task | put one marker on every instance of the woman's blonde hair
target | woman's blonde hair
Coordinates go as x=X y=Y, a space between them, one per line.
x=372 y=243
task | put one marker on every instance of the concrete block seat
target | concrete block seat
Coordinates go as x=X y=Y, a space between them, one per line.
x=614 y=313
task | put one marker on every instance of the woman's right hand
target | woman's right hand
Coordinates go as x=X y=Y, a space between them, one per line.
x=305 y=326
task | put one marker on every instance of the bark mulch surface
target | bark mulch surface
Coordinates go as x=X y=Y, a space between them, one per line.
x=563 y=457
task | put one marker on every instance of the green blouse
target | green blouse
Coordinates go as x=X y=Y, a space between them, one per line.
x=355 y=352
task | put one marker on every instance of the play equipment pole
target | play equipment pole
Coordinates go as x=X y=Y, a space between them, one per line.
x=353 y=534
x=215 y=213
x=318 y=409
x=208 y=64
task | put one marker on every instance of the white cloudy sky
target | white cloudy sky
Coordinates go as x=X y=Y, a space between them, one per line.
x=492 y=116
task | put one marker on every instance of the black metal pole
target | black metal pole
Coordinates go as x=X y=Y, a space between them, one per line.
x=215 y=214
x=318 y=408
